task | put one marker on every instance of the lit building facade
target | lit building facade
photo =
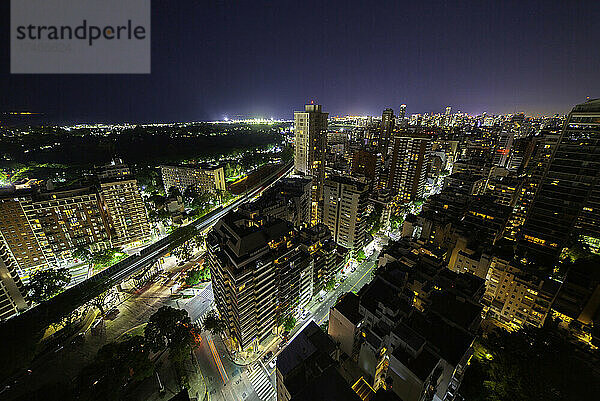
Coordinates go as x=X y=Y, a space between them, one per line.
x=408 y=170
x=345 y=210
x=262 y=271
x=124 y=208
x=18 y=235
x=67 y=220
x=12 y=290
x=567 y=201
x=310 y=127
x=202 y=179
x=516 y=297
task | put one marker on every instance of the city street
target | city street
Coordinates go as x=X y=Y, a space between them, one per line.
x=134 y=309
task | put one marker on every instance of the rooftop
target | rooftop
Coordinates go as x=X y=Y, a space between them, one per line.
x=348 y=307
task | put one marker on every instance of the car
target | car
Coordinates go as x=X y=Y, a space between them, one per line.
x=273 y=363
x=268 y=355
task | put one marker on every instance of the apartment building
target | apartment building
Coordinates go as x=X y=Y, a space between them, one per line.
x=203 y=179
x=12 y=290
x=408 y=168
x=263 y=270
x=123 y=207
x=310 y=143
x=18 y=235
x=516 y=297
x=345 y=210
x=66 y=220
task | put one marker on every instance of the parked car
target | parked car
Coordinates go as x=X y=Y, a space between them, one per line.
x=273 y=363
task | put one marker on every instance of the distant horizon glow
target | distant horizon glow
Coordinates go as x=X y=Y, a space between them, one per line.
x=249 y=60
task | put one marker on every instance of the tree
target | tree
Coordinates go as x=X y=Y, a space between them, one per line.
x=213 y=323
x=157 y=201
x=44 y=284
x=83 y=252
x=184 y=251
x=190 y=194
x=174 y=192
x=197 y=275
x=374 y=219
x=360 y=255
x=69 y=319
x=529 y=364
x=170 y=328
x=100 y=301
x=395 y=221
x=325 y=326
x=330 y=284
x=289 y=323
x=115 y=365
x=107 y=257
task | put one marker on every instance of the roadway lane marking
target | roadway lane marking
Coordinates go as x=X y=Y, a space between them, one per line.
x=217 y=359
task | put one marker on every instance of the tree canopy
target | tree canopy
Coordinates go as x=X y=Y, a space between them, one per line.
x=170 y=328
x=528 y=365
x=289 y=323
x=213 y=323
x=330 y=284
x=44 y=284
x=114 y=366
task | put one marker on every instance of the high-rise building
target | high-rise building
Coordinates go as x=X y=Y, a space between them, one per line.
x=202 y=179
x=402 y=112
x=448 y=116
x=503 y=149
x=18 y=234
x=344 y=210
x=67 y=220
x=408 y=169
x=534 y=173
x=123 y=205
x=288 y=199
x=263 y=270
x=386 y=129
x=365 y=163
x=516 y=297
x=310 y=144
x=567 y=201
x=12 y=291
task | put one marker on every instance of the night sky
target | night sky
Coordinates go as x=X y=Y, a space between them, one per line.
x=212 y=59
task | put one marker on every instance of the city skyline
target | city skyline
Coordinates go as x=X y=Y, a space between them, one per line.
x=219 y=60
x=293 y=201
